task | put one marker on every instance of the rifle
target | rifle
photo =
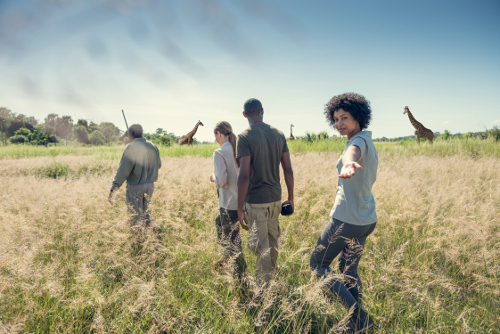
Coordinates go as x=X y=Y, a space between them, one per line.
x=126 y=124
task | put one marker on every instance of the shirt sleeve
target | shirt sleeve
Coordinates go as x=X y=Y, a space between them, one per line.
x=220 y=170
x=124 y=169
x=361 y=143
x=242 y=147
x=285 y=146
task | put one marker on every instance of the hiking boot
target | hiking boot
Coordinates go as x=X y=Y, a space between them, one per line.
x=360 y=322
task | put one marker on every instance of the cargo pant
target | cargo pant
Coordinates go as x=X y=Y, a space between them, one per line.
x=138 y=197
x=263 y=237
x=229 y=238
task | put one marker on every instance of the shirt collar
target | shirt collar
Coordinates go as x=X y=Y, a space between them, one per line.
x=363 y=133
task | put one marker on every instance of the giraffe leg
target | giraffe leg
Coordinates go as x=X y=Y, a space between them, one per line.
x=418 y=139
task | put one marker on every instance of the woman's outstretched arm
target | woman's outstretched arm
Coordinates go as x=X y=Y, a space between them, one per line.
x=349 y=164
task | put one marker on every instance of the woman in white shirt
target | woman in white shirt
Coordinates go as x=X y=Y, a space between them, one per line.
x=225 y=177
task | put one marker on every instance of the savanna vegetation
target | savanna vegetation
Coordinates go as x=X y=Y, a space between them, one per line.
x=69 y=263
x=59 y=130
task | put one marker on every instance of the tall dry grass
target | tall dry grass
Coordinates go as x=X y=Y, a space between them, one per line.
x=69 y=262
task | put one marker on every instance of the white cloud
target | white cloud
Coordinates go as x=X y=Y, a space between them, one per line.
x=496 y=121
x=446 y=122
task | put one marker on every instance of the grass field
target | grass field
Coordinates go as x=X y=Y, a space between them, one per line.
x=475 y=148
x=69 y=262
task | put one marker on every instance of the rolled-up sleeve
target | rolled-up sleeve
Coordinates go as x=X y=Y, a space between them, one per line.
x=361 y=143
x=220 y=171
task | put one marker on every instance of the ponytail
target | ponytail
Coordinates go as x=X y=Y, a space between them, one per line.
x=226 y=129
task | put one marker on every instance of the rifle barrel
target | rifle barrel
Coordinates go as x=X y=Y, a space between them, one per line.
x=126 y=124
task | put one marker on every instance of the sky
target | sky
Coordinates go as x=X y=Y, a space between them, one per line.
x=168 y=64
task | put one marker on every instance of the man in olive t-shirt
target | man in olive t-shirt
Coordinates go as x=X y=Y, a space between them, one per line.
x=261 y=148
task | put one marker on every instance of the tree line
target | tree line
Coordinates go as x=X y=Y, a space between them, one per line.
x=493 y=133
x=22 y=129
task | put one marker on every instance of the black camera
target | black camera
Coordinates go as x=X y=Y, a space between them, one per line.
x=286 y=210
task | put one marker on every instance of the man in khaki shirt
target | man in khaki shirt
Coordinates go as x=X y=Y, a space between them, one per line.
x=139 y=167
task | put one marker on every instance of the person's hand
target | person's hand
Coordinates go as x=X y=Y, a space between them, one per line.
x=289 y=201
x=212 y=177
x=349 y=170
x=242 y=219
x=110 y=197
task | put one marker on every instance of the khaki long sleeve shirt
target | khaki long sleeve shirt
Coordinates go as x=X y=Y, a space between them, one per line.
x=139 y=164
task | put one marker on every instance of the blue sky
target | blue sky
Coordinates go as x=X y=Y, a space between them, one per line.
x=169 y=64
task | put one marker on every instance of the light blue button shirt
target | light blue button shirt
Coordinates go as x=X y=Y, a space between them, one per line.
x=354 y=202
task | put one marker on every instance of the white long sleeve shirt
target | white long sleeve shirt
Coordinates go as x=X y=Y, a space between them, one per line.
x=226 y=176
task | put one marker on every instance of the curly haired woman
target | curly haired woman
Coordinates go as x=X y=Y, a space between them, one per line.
x=353 y=217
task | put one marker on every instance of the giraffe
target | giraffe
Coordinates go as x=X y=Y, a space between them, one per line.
x=291 y=134
x=188 y=139
x=420 y=130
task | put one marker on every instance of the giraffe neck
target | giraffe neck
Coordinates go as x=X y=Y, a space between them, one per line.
x=192 y=132
x=416 y=124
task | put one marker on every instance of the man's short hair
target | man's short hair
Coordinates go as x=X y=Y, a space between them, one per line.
x=252 y=106
x=135 y=130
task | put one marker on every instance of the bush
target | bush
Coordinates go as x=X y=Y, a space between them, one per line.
x=97 y=138
x=23 y=132
x=40 y=137
x=55 y=170
x=494 y=133
x=18 y=139
x=160 y=139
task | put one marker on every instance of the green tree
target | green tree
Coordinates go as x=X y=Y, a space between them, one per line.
x=16 y=123
x=81 y=134
x=40 y=137
x=446 y=135
x=23 y=132
x=494 y=133
x=82 y=122
x=64 y=125
x=20 y=136
x=110 y=131
x=97 y=138
x=30 y=121
x=50 y=123
x=92 y=127
x=6 y=117
x=322 y=135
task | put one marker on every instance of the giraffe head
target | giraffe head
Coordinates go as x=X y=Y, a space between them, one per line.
x=292 y=125
x=200 y=123
x=406 y=110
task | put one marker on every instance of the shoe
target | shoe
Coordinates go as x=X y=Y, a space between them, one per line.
x=360 y=322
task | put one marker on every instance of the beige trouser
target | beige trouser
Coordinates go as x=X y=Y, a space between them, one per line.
x=263 y=238
x=138 y=197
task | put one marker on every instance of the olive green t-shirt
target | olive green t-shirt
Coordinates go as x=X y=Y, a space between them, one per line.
x=264 y=144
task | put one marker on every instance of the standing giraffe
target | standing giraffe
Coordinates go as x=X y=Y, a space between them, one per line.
x=420 y=130
x=291 y=134
x=188 y=139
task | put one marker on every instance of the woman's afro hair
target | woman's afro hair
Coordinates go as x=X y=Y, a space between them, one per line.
x=354 y=103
